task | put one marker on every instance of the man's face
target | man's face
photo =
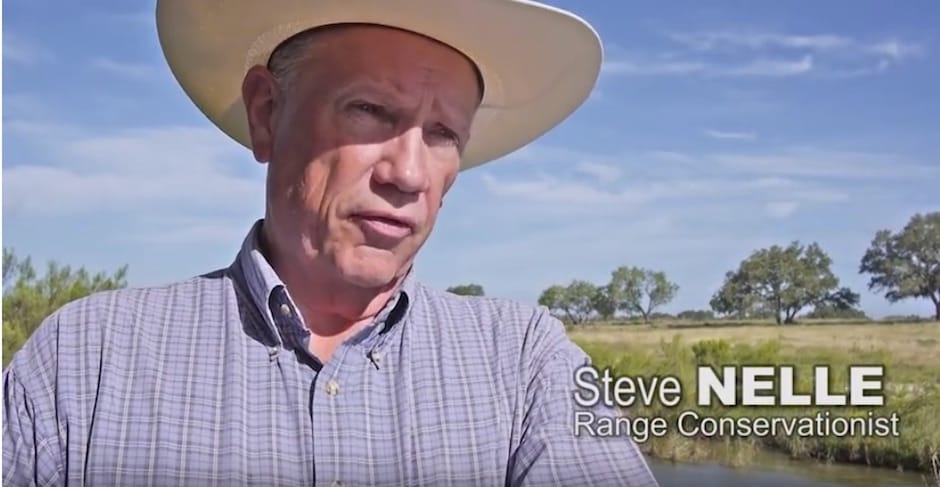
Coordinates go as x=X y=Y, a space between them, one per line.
x=362 y=146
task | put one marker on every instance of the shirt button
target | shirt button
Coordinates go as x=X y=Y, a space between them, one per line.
x=332 y=387
x=285 y=310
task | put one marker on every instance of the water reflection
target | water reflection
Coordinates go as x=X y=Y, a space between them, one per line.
x=779 y=471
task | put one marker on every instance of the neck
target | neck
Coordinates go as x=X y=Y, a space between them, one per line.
x=331 y=306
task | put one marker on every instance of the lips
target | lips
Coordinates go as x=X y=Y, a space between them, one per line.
x=384 y=228
x=387 y=218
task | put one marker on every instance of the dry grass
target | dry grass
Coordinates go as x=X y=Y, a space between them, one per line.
x=913 y=343
x=909 y=351
x=932 y=478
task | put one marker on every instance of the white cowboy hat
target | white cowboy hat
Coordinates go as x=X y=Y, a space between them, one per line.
x=538 y=63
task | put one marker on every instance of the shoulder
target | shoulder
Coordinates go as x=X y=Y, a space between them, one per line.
x=487 y=313
x=80 y=328
x=121 y=307
x=529 y=333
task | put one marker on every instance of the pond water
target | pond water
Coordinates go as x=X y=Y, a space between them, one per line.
x=779 y=471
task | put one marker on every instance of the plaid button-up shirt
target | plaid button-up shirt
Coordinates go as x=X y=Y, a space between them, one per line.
x=208 y=382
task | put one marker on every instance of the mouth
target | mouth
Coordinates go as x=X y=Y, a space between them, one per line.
x=388 y=219
x=383 y=227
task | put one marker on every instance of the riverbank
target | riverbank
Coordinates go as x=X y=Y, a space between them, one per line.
x=910 y=353
x=772 y=469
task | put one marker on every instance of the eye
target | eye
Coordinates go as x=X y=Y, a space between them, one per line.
x=367 y=107
x=367 y=114
x=361 y=108
x=445 y=134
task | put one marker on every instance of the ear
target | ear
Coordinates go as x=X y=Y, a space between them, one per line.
x=259 y=93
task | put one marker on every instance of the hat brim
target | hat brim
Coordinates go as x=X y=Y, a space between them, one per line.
x=538 y=63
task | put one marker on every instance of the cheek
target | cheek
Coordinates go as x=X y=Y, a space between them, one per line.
x=296 y=196
x=296 y=187
x=448 y=178
x=435 y=197
x=282 y=186
x=344 y=187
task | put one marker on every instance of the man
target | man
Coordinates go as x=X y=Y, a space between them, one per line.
x=317 y=357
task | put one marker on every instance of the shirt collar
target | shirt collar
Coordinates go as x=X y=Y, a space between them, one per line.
x=270 y=296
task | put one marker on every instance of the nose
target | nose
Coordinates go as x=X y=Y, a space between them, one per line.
x=405 y=162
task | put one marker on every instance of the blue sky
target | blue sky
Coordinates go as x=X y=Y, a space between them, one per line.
x=714 y=130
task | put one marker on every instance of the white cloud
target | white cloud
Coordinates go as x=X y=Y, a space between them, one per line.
x=721 y=134
x=133 y=20
x=538 y=154
x=129 y=70
x=602 y=173
x=896 y=50
x=781 y=209
x=154 y=171
x=18 y=105
x=762 y=67
x=765 y=54
x=650 y=67
x=670 y=156
x=768 y=67
x=755 y=40
x=546 y=189
x=186 y=230
x=815 y=162
x=568 y=196
x=19 y=50
x=892 y=48
x=769 y=182
x=762 y=164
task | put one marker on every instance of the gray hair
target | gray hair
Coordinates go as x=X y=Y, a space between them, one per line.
x=290 y=55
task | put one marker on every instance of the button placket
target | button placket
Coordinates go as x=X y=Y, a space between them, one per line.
x=332 y=387
x=375 y=357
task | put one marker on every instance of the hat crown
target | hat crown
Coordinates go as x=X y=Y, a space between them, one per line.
x=534 y=79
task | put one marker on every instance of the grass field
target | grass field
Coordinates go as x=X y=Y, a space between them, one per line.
x=910 y=352
x=916 y=345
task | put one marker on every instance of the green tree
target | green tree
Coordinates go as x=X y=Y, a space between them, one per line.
x=603 y=303
x=636 y=290
x=736 y=298
x=906 y=264
x=553 y=298
x=466 y=290
x=28 y=298
x=575 y=301
x=696 y=315
x=782 y=280
x=829 y=312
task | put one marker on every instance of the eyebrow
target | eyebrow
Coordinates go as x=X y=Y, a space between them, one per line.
x=454 y=119
x=451 y=112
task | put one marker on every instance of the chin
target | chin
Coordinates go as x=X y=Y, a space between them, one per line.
x=369 y=267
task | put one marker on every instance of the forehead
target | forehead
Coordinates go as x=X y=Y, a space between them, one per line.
x=380 y=51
